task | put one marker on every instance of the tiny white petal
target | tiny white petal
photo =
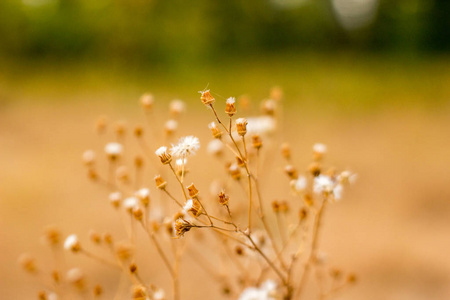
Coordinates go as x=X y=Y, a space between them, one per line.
x=113 y=149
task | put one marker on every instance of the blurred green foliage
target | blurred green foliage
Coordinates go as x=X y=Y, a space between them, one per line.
x=172 y=31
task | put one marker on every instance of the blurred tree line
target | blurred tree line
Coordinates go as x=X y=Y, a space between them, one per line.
x=176 y=30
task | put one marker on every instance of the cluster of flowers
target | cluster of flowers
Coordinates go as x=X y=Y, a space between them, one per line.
x=272 y=250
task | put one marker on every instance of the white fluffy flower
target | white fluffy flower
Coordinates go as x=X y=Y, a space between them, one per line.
x=177 y=106
x=159 y=294
x=299 y=185
x=189 y=204
x=171 y=125
x=324 y=184
x=186 y=146
x=130 y=203
x=115 y=198
x=72 y=242
x=113 y=149
x=143 y=193
x=215 y=147
x=88 y=157
x=320 y=148
x=267 y=291
x=231 y=100
x=181 y=162
x=261 y=125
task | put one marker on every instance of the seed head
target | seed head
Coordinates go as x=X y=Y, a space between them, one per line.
x=98 y=290
x=143 y=195
x=52 y=235
x=138 y=213
x=133 y=268
x=223 y=198
x=268 y=107
x=107 y=238
x=138 y=131
x=176 y=108
x=170 y=127
x=72 y=243
x=193 y=206
x=291 y=171
x=95 y=237
x=160 y=182
x=303 y=214
x=235 y=171
x=120 y=128
x=115 y=198
x=207 y=98
x=27 y=262
x=193 y=192
x=113 y=151
x=124 y=251
x=286 y=151
x=76 y=277
x=164 y=155
x=230 y=108
x=88 y=157
x=215 y=147
x=130 y=203
x=256 y=141
x=276 y=93
x=241 y=126
x=240 y=162
x=147 y=101
x=122 y=174
x=314 y=169
x=215 y=130
x=138 y=161
x=100 y=125
x=139 y=292
x=275 y=206
x=186 y=146
x=319 y=151
x=181 y=227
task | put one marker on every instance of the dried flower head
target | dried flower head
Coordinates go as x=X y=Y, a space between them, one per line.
x=215 y=147
x=76 y=277
x=193 y=192
x=72 y=243
x=215 y=130
x=286 y=151
x=326 y=185
x=115 y=198
x=268 y=107
x=138 y=131
x=138 y=213
x=193 y=206
x=95 y=237
x=299 y=185
x=147 y=101
x=100 y=125
x=170 y=126
x=122 y=174
x=207 y=98
x=130 y=203
x=176 y=108
x=124 y=250
x=181 y=227
x=186 y=146
x=113 y=150
x=319 y=151
x=235 y=171
x=52 y=235
x=230 y=108
x=160 y=182
x=241 y=126
x=223 y=198
x=164 y=155
x=143 y=195
x=27 y=262
x=291 y=172
x=256 y=141
x=88 y=157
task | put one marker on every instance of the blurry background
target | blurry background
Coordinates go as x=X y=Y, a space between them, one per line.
x=370 y=78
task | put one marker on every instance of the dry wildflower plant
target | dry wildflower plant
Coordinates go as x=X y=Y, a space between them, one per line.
x=268 y=249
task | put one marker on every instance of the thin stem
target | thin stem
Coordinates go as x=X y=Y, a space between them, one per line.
x=172 y=197
x=278 y=272
x=98 y=258
x=159 y=249
x=179 y=181
x=312 y=253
